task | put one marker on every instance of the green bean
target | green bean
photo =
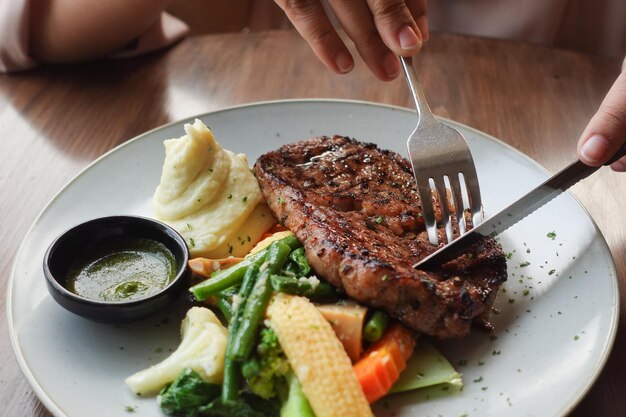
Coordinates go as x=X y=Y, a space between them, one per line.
x=229 y=277
x=225 y=307
x=298 y=257
x=230 y=387
x=256 y=303
x=376 y=326
x=226 y=278
x=291 y=285
x=225 y=301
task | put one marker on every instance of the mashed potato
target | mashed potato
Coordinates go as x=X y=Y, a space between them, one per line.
x=209 y=195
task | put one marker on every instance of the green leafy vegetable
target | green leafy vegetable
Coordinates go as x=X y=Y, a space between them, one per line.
x=247 y=406
x=186 y=394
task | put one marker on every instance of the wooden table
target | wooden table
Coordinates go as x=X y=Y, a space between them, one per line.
x=55 y=121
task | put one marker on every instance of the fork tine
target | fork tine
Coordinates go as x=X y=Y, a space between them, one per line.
x=473 y=195
x=428 y=211
x=455 y=186
x=440 y=186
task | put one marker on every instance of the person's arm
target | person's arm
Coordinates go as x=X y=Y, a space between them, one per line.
x=380 y=29
x=606 y=131
x=77 y=30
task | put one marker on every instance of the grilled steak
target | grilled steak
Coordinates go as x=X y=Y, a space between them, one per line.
x=356 y=210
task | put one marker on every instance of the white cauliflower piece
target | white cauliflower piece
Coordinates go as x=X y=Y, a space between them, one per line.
x=202 y=348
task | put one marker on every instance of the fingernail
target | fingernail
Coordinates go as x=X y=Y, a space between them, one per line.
x=391 y=65
x=407 y=38
x=594 y=149
x=344 y=62
x=619 y=166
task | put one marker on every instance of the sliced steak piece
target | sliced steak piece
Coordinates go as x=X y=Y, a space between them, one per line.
x=356 y=210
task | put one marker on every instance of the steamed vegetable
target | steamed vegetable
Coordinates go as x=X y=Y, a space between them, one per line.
x=376 y=326
x=427 y=368
x=187 y=394
x=256 y=303
x=274 y=234
x=230 y=388
x=309 y=287
x=300 y=264
x=346 y=319
x=202 y=348
x=266 y=370
x=205 y=267
x=317 y=358
x=234 y=275
x=246 y=406
x=381 y=364
x=296 y=404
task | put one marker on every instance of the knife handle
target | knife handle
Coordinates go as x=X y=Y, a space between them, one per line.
x=577 y=171
x=618 y=155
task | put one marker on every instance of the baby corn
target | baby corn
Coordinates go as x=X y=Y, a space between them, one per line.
x=317 y=358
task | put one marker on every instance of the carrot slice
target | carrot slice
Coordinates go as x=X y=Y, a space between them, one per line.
x=381 y=364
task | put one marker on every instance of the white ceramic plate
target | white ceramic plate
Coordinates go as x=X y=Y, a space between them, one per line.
x=557 y=316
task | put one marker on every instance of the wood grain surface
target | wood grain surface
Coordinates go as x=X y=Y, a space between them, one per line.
x=54 y=121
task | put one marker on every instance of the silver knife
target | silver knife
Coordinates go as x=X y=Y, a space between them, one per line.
x=521 y=208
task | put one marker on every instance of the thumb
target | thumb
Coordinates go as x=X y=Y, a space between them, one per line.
x=606 y=131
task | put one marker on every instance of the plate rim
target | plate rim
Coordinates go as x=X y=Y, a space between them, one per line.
x=54 y=409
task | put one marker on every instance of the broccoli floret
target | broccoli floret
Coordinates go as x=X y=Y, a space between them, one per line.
x=186 y=394
x=265 y=371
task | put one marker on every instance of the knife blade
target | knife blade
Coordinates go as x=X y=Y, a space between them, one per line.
x=515 y=212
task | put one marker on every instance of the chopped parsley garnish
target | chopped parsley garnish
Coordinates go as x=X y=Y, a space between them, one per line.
x=523 y=264
x=281 y=200
x=551 y=235
x=230 y=248
x=130 y=409
x=230 y=196
x=193 y=243
x=552 y=271
x=384 y=278
x=509 y=255
x=188 y=226
x=380 y=219
x=243 y=200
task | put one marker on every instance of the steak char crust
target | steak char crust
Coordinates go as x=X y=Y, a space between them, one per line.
x=356 y=210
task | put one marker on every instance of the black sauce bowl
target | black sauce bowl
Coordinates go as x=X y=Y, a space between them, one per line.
x=64 y=251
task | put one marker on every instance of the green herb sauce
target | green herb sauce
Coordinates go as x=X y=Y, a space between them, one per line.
x=123 y=270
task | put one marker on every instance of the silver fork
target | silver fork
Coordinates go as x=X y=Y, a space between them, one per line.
x=442 y=164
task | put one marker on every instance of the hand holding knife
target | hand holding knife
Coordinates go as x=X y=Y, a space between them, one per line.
x=515 y=212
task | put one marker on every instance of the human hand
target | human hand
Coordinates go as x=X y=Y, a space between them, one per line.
x=606 y=131
x=380 y=29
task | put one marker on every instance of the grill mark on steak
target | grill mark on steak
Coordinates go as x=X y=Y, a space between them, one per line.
x=356 y=210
